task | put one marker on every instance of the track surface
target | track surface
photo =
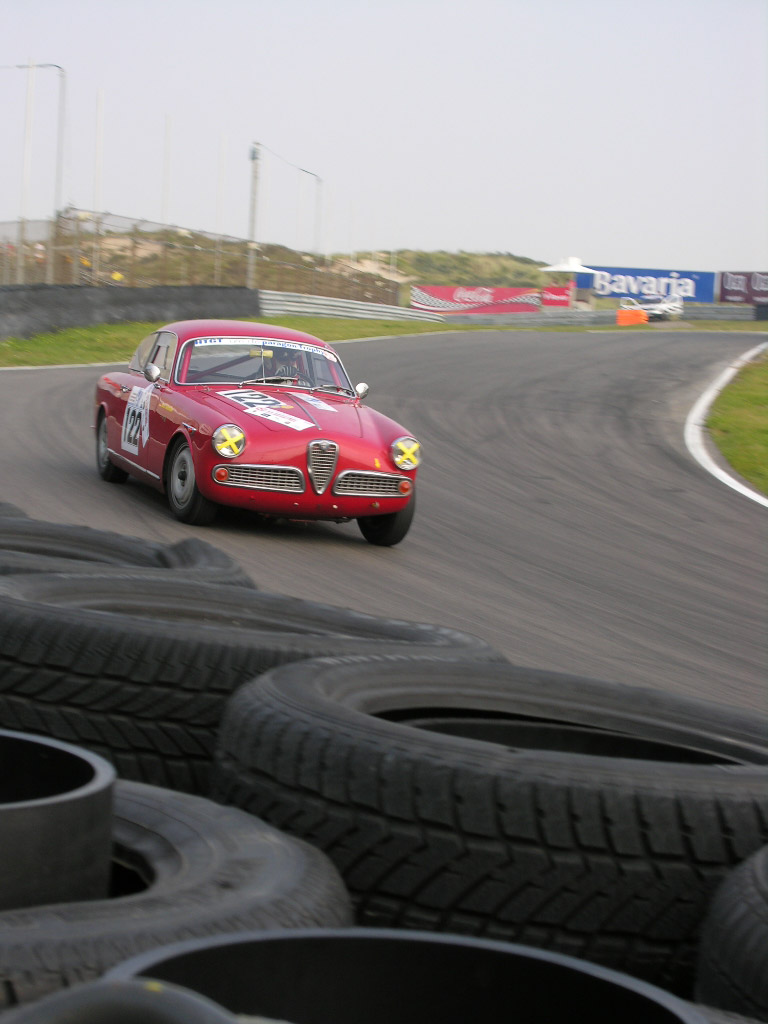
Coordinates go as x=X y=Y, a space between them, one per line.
x=559 y=515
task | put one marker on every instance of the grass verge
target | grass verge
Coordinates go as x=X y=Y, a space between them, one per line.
x=738 y=422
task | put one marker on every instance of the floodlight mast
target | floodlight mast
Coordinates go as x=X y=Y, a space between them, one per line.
x=251 y=269
x=30 y=68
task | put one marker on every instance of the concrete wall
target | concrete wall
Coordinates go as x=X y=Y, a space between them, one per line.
x=26 y=310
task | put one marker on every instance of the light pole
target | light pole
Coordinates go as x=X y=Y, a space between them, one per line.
x=30 y=67
x=318 y=189
x=250 y=279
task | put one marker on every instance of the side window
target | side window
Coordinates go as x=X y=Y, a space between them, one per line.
x=140 y=357
x=163 y=353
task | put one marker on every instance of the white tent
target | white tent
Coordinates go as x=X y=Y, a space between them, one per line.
x=572 y=265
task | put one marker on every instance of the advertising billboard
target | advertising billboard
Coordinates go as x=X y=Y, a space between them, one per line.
x=448 y=299
x=743 y=286
x=620 y=282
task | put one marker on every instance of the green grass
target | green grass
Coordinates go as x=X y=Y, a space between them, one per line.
x=738 y=423
x=738 y=420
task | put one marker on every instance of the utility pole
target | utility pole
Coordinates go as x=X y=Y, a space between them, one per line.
x=250 y=280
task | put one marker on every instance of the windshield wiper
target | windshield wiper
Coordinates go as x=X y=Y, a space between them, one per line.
x=334 y=389
x=265 y=380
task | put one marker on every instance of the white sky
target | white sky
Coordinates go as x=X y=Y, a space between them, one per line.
x=627 y=133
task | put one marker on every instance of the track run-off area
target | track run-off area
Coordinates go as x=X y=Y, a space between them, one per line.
x=560 y=513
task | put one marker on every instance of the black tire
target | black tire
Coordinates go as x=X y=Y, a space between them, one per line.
x=55 y=821
x=733 y=956
x=185 y=867
x=140 y=673
x=487 y=799
x=331 y=976
x=185 y=500
x=34 y=546
x=389 y=529
x=121 y=1002
x=107 y=469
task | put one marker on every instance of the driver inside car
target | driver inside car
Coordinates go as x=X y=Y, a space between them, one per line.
x=286 y=363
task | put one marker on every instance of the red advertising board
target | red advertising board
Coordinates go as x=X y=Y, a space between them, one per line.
x=447 y=299
x=557 y=295
x=747 y=286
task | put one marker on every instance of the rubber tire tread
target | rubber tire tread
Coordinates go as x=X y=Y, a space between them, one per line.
x=605 y=858
x=121 y=1002
x=211 y=870
x=34 y=546
x=733 y=954
x=140 y=674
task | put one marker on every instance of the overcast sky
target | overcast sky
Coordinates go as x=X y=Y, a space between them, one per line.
x=628 y=134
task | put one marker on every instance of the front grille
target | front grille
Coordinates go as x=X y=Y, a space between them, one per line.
x=264 y=478
x=321 y=462
x=379 y=485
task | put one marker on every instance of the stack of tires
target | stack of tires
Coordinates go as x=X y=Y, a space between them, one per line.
x=322 y=794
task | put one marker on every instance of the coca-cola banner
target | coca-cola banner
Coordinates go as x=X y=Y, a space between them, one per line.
x=557 y=295
x=448 y=299
x=746 y=286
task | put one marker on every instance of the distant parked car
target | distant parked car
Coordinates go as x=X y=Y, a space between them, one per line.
x=657 y=307
x=225 y=412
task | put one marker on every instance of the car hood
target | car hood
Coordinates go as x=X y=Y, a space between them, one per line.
x=293 y=412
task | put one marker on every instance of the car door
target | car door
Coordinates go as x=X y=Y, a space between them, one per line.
x=127 y=408
x=163 y=416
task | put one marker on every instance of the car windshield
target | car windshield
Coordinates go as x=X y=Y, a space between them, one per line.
x=261 y=361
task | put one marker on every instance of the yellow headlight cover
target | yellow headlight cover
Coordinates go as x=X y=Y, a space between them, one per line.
x=228 y=440
x=406 y=453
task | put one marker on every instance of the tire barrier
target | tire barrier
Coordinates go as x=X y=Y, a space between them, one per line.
x=121 y=1002
x=139 y=672
x=733 y=957
x=183 y=866
x=31 y=546
x=488 y=799
x=331 y=976
x=55 y=821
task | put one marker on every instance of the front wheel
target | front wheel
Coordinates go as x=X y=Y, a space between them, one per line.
x=185 y=500
x=389 y=529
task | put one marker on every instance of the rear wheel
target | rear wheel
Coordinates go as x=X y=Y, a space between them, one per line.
x=184 y=497
x=107 y=469
x=388 y=529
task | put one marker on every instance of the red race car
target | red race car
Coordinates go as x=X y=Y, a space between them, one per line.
x=224 y=412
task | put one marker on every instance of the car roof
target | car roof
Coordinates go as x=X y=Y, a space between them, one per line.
x=186 y=329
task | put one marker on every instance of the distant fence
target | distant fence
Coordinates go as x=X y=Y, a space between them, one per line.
x=83 y=247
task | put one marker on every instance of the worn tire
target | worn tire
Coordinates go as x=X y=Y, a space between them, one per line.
x=488 y=799
x=333 y=976
x=733 y=956
x=206 y=869
x=389 y=529
x=140 y=673
x=121 y=1002
x=55 y=821
x=32 y=546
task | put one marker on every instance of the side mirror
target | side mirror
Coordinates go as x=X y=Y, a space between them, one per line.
x=361 y=390
x=152 y=372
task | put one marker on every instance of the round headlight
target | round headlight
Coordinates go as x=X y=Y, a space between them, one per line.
x=406 y=452
x=228 y=440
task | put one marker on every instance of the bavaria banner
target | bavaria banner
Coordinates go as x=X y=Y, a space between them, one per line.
x=447 y=299
x=620 y=282
x=743 y=286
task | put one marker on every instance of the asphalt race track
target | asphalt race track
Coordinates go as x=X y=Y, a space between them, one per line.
x=560 y=515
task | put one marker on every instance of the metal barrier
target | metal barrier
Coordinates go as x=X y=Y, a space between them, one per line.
x=285 y=303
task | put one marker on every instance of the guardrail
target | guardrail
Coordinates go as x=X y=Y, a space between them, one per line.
x=284 y=303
